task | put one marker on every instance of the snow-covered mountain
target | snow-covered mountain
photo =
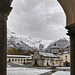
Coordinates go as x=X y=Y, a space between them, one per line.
x=29 y=43
x=61 y=43
x=24 y=43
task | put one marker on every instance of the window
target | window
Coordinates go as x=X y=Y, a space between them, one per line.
x=12 y=59
x=35 y=54
x=56 y=62
x=65 y=57
x=24 y=59
x=9 y=60
x=18 y=59
x=21 y=59
x=15 y=59
x=60 y=64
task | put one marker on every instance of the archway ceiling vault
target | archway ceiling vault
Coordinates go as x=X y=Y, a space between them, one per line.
x=69 y=9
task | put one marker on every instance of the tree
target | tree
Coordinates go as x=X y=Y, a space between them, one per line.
x=29 y=52
x=12 y=51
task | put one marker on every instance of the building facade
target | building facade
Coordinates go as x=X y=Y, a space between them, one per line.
x=65 y=56
x=57 y=62
x=43 y=59
x=22 y=59
x=55 y=49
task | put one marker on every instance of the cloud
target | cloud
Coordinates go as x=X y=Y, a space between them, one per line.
x=37 y=18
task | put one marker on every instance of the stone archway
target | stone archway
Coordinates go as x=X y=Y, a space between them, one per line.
x=4 y=12
x=69 y=9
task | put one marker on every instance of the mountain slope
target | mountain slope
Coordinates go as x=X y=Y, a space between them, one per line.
x=24 y=43
x=29 y=43
x=61 y=43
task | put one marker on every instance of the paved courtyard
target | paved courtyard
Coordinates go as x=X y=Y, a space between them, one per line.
x=61 y=73
x=33 y=71
x=19 y=69
x=25 y=71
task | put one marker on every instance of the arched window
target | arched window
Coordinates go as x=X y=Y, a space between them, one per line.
x=24 y=59
x=15 y=59
x=18 y=59
x=12 y=59
x=9 y=60
x=21 y=59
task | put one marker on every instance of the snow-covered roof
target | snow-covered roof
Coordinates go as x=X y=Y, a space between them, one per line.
x=57 y=59
x=18 y=56
x=47 y=54
x=65 y=52
x=60 y=53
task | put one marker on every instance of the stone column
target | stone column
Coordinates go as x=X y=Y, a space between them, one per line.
x=4 y=12
x=3 y=45
x=71 y=33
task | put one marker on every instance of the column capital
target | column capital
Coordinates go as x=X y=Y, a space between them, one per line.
x=5 y=7
x=71 y=29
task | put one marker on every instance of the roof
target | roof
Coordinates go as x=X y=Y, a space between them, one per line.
x=66 y=52
x=57 y=59
x=54 y=47
x=18 y=56
x=60 y=53
x=48 y=55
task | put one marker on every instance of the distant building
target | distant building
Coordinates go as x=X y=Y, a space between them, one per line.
x=55 y=49
x=43 y=59
x=22 y=59
x=65 y=56
x=57 y=61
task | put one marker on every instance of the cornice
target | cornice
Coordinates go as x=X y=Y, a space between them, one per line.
x=5 y=7
x=71 y=29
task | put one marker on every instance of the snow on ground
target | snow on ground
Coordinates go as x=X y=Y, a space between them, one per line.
x=25 y=71
x=61 y=73
x=63 y=67
x=8 y=66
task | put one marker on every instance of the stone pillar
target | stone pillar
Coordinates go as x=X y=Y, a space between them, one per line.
x=4 y=12
x=71 y=33
x=3 y=45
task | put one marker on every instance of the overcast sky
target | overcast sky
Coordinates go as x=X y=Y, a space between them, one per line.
x=43 y=19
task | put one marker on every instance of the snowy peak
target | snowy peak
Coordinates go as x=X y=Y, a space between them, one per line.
x=29 y=43
x=17 y=41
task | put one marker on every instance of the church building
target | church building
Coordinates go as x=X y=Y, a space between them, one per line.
x=55 y=49
x=43 y=59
